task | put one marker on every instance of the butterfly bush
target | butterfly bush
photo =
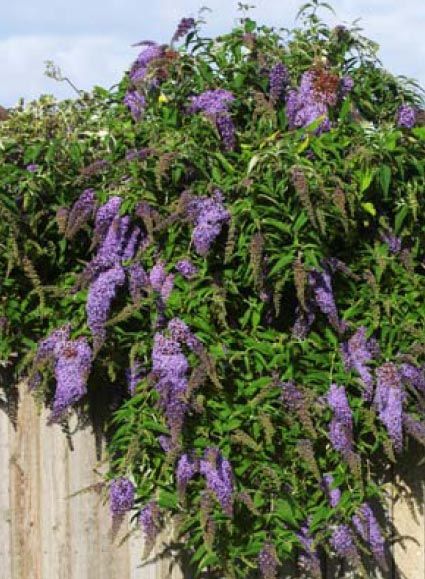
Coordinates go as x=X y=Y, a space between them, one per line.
x=222 y=254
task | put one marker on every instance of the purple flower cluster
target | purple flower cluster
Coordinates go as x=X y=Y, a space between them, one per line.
x=101 y=293
x=49 y=346
x=341 y=426
x=121 y=496
x=32 y=168
x=321 y=284
x=415 y=428
x=342 y=541
x=389 y=398
x=184 y=27
x=160 y=281
x=226 y=129
x=208 y=215
x=413 y=375
x=136 y=102
x=149 y=54
x=333 y=492
x=268 y=561
x=393 y=242
x=187 y=467
x=357 y=352
x=139 y=280
x=303 y=322
x=406 y=117
x=71 y=360
x=211 y=102
x=130 y=247
x=303 y=106
x=186 y=268
x=118 y=243
x=291 y=396
x=219 y=478
x=309 y=559
x=149 y=522
x=368 y=528
x=180 y=332
x=278 y=79
x=214 y=104
x=80 y=213
x=170 y=367
x=72 y=368
x=105 y=215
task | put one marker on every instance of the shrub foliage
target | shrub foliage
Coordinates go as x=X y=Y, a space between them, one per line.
x=226 y=251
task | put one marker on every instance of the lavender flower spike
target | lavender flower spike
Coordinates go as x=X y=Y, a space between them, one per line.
x=309 y=560
x=218 y=474
x=268 y=561
x=278 y=79
x=356 y=353
x=101 y=293
x=80 y=213
x=342 y=541
x=208 y=214
x=341 y=426
x=72 y=368
x=414 y=376
x=104 y=217
x=321 y=285
x=149 y=522
x=333 y=493
x=136 y=102
x=186 y=469
x=406 y=117
x=184 y=27
x=186 y=268
x=368 y=528
x=389 y=398
x=121 y=496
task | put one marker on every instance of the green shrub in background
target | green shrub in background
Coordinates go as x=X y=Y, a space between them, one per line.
x=226 y=251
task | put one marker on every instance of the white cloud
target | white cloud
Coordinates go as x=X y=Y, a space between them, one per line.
x=87 y=60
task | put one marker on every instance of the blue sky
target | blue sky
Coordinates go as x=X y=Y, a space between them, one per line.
x=90 y=39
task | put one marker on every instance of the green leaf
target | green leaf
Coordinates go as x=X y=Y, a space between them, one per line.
x=369 y=208
x=282 y=262
x=167 y=500
x=385 y=179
